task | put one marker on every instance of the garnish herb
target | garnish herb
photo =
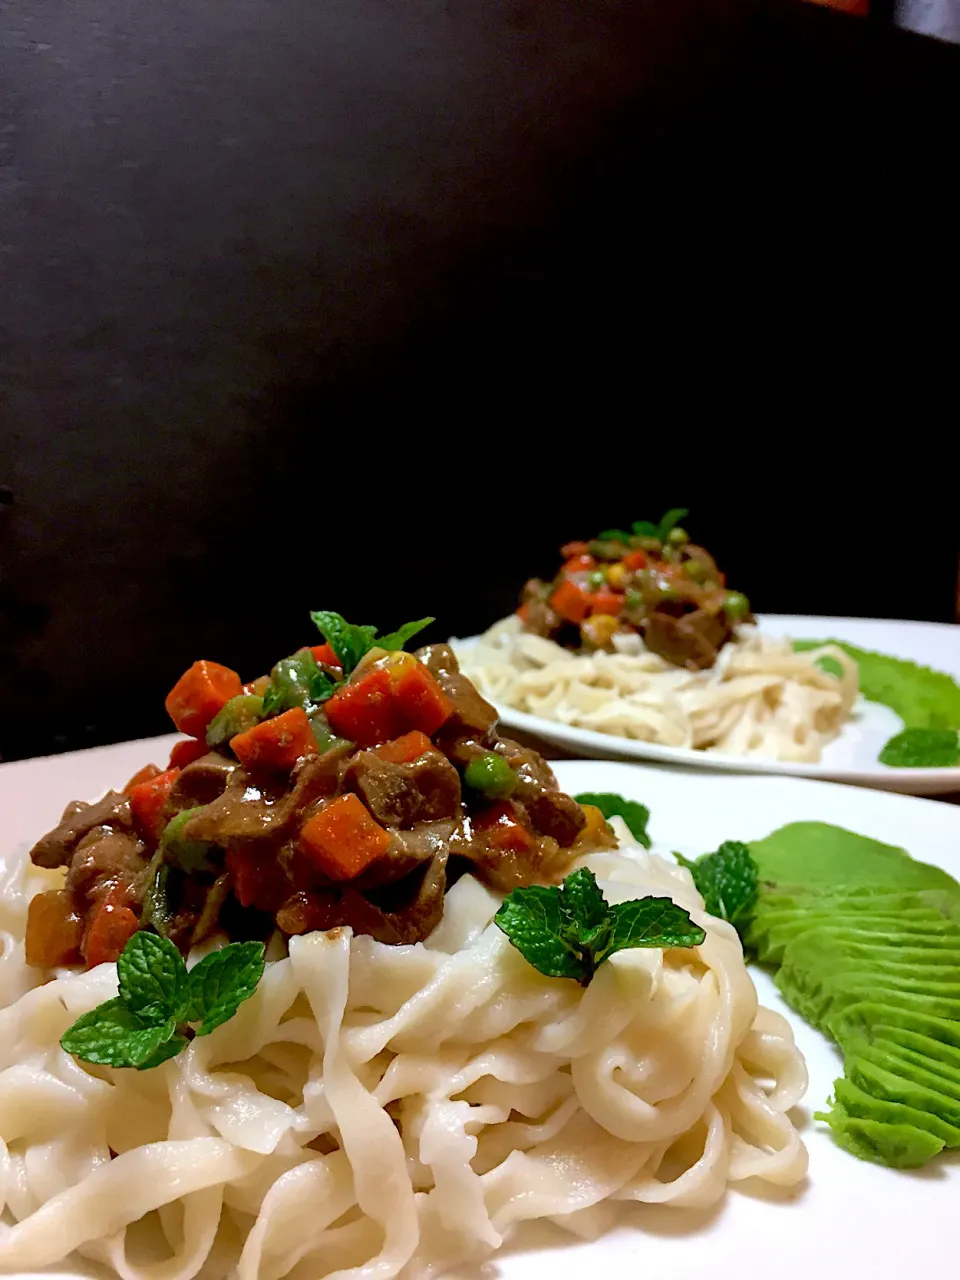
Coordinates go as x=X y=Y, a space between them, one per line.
x=726 y=880
x=830 y=665
x=661 y=531
x=150 y=1021
x=611 y=805
x=570 y=931
x=922 y=749
x=351 y=642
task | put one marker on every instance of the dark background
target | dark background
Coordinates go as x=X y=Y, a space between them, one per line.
x=370 y=305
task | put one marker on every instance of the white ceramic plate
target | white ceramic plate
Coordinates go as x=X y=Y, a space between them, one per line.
x=851 y=757
x=850 y=1220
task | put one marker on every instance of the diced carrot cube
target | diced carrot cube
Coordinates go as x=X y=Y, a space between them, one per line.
x=142 y=775
x=343 y=838
x=571 y=602
x=411 y=746
x=364 y=711
x=199 y=694
x=148 y=804
x=571 y=550
x=607 y=602
x=502 y=829
x=419 y=700
x=184 y=753
x=324 y=654
x=276 y=744
x=54 y=930
x=111 y=927
x=635 y=560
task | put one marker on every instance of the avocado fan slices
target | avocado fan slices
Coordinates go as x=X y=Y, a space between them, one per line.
x=865 y=945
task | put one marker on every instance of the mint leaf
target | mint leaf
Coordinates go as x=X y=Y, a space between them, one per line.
x=398 y=639
x=650 y=922
x=533 y=921
x=830 y=665
x=611 y=805
x=645 y=529
x=615 y=535
x=922 y=749
x=570 y=931
x=347 y=641
x=582 y=903
x=726 y=880
x=169 y=1049
x=221 y=982
x=153 y=979
x=112 y=1036
x=672 y=518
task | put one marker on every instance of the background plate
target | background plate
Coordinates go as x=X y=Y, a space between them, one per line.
x=851 y=758
x=850 y=1219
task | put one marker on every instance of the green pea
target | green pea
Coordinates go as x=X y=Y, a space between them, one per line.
x=596 y=578
x=695 y=570
x=736 y=605
x=491 y=776
x=633 y=600
x=678 y=537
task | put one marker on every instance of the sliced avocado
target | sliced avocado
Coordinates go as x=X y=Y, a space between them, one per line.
x=899 y=1146
x=946 y=1056
x=864 y=1105
x=860 y=1021
x=872 y=1070
x=819 y=1000
x=820 y=855
x=771 y=942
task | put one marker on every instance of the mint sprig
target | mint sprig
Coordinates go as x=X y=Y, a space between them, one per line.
x=611 y=805
x=726 y=880
x=351 y=642
x=149 y=1022
x=922 y=749
x=569 y=932
x=661 y=531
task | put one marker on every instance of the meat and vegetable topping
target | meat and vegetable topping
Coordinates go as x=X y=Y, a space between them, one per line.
x=652 y=581
x=349 y=787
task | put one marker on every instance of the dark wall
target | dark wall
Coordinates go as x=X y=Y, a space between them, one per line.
x=370 y=305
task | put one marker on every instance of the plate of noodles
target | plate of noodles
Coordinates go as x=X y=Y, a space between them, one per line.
x=637 y=649
x=342 y=981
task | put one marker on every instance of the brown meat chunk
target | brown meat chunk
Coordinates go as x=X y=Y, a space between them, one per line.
x=471 y=711
x=402 y=795
x=506 y=869
x=106 y=859
x=550 y=810
x=250 y=810
x=692 y=640
x=407 y=912
x=555 y=814
x=202 y=781
x=55 y=849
